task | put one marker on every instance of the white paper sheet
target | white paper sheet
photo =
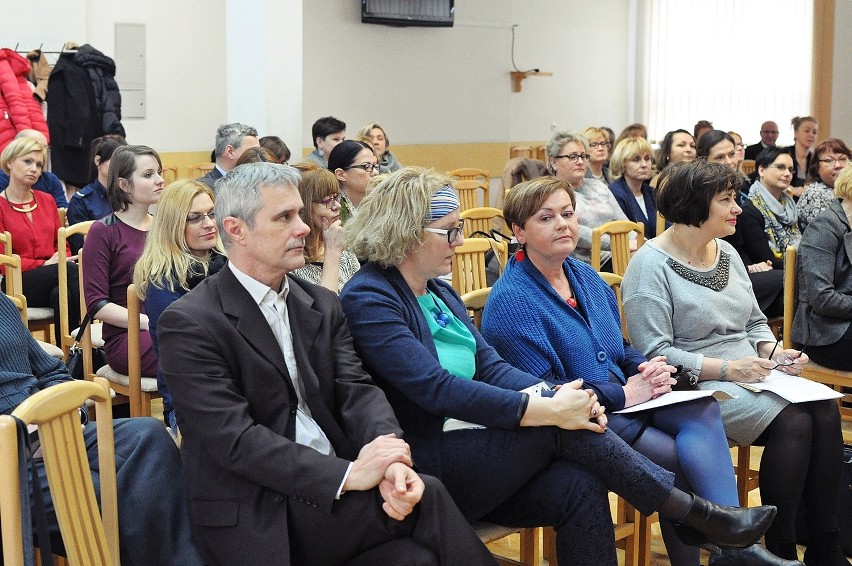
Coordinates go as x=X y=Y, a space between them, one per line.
x=675 y=397
x=794 y=388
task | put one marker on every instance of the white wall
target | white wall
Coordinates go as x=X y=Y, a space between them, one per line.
x=436 y=85
x=425 y=85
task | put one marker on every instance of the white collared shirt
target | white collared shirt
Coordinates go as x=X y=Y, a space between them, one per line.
x=273 y=305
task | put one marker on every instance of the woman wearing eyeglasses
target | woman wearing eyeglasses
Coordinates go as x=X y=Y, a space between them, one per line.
x=567 y=155
x=114 y=244
x=354 y=163
x=506 y=455
x=830 y=157
x=823 y=321
x=769 y=222
x=599 y=147
x=687 y=296
x=327 y=262
x=182 y=248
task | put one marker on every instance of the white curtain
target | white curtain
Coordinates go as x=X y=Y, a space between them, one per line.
x=736 y=63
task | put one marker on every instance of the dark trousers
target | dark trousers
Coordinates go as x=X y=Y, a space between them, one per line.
x=153 y=521
x=41 y=288
x=551 y=477
x=359 y=532
x=834 y=356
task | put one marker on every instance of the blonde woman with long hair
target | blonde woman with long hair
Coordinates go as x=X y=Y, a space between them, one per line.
x=183 y=247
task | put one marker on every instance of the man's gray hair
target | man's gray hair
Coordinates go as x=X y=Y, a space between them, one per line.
x=231 y=134
x=238 y=192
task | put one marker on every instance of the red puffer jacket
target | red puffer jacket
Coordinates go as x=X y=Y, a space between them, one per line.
x=19 y=110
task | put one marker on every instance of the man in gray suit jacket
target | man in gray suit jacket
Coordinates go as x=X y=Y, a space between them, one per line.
x=231 y=142
x=291 y=453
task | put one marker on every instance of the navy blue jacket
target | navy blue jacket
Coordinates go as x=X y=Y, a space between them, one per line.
x=628 y=204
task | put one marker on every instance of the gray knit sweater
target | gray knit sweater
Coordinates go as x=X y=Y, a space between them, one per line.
x=669 y=315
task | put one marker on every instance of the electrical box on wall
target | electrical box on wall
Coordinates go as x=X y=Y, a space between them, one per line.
x=130 y=68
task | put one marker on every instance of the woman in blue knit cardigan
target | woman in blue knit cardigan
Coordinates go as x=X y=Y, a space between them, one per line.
x=554 y=317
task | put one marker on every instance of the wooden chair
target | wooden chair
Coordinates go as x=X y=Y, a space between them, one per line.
x=474 y=301
x=520 y=151
x=661 y=223
x=540 y=153
x=170 y=173
x=140 y=390
x=836 y=379
x=748 y=166
x=489 y=532
x=747 y=477
x=614 y=282
x=63 y=216
x=479 y=219
x=67 y=333
x=619 y=243
x=39 y=319
x=632 y=534
x=470 y=174
x=89 y=536
x=469 y=265
x=200 y=169
x=469 y=194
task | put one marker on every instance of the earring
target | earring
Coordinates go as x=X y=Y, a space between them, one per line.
x=520 y=255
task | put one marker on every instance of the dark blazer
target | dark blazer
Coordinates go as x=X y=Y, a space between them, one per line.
x=628 y=204
x=210 y=178
x=750 y=238
x=236 y=409
x=752 y=151
x=796 y=182
x=824 y=310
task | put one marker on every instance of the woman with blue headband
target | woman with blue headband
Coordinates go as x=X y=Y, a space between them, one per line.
x=509 y=449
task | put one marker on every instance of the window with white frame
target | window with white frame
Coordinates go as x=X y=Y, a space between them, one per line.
x=736 y=63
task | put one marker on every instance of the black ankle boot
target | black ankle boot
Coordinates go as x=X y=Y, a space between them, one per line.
x=824 y=550
x=785 y=550
x=726 y=527
x=754 y=555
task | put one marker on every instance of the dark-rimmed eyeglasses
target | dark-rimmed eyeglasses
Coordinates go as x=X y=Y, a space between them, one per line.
x=573 y=157
x=368 y=167
x=600 y=144
x=830 y=161
x=452 y=234
x=327 y=201
x=198 y=218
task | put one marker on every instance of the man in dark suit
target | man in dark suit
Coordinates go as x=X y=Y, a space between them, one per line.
x=290 y=450
x=768 y=137
x=231 y=142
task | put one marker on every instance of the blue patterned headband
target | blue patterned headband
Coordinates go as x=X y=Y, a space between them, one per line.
x=444 y=201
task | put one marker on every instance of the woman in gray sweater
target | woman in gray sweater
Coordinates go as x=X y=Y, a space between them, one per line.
x=687 y=296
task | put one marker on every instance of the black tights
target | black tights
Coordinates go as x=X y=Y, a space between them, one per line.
x=802 y=459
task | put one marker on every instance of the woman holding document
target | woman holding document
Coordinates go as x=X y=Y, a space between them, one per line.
x=554 y=317
x=687 y=296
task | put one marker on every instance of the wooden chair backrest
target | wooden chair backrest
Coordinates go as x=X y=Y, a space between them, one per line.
x=170 y=173
x=11 y=264
x=469 y=265
x=619 y=243
x=790 y=267
x=65 y=329
x=614 y=282
x=469 y=194
x=475 y=303
x=200 y=169
x=479 y=219
x=89 y=536
x=470 y=174
x=748 y=166
x=6 y=242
